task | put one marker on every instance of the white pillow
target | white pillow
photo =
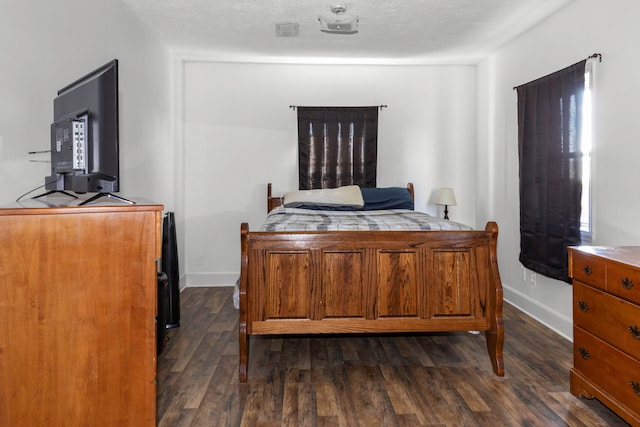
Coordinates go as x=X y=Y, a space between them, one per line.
x=349 y=195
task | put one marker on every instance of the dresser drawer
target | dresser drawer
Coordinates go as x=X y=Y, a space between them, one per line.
x=624 y=282
x=610 y=318
x=588 y=268
x=607 y=368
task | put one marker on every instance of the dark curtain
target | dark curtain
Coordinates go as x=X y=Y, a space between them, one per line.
x=337 y=146
x=549 y=130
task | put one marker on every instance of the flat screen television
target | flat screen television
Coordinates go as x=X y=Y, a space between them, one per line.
x=84 y=136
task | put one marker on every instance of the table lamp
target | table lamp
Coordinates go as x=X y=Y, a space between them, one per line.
x=446 y=198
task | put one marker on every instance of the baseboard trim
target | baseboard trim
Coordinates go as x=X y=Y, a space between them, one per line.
x=553 y=320
x=201 y=280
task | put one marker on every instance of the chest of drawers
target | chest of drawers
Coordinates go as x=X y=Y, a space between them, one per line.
x=78 y=301
x=606 y=327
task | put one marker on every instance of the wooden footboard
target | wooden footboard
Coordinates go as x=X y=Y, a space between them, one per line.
x=370 y=282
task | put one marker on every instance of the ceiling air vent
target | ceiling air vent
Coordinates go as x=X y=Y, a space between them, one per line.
x=287 y=29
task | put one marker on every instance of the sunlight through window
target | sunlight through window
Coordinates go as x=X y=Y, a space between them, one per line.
x=585 y=217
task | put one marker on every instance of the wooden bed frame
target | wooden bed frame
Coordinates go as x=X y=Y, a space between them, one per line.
x=317 y=282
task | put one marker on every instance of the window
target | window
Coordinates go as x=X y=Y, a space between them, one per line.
x=337 y=146
x=550 y=127
x=586 y=146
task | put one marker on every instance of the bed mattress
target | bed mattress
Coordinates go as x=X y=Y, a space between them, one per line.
x=295 y=219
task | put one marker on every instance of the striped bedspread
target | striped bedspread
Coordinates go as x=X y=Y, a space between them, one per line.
x=293 y=219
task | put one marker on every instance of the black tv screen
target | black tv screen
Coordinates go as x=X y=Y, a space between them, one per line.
x=84 y=134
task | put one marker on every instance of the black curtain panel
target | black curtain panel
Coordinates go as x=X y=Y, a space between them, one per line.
x=549 y=131
x=337 y=146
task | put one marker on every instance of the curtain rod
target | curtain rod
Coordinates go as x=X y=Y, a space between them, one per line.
x=293 y=107
x=597 y=56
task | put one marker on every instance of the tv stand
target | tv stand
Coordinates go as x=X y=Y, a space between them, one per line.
x=55 y=191
x=109 y=195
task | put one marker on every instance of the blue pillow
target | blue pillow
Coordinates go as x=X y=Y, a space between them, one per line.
x=386 y=198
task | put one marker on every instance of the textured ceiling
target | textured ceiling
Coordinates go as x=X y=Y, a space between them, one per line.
x=393 y=31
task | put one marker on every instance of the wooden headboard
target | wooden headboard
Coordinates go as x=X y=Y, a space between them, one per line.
x=273 y=202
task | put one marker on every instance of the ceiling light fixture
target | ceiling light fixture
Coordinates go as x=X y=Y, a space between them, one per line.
x=338 y=22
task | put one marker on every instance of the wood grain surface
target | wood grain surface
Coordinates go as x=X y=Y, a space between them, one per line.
x=428 y=379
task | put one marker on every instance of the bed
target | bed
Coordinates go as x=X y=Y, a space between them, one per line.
x=345 y=279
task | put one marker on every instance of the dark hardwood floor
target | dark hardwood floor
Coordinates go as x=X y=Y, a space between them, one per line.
x=442 y=379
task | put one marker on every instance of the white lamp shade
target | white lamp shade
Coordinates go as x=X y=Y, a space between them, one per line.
x=446 y=197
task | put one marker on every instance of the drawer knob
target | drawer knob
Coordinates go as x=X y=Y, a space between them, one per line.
x=584 y=353
x=626 y=283
x=587 y=270
x=636 y=387
x=635 y=332
x=584 y=307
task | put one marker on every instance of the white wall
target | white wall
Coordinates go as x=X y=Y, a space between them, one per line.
x=47 y=45
x=574 y=33
x=204 y=137
x=239 y=134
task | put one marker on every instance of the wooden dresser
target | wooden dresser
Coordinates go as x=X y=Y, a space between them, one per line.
x=606 y=325
x=78 y=295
